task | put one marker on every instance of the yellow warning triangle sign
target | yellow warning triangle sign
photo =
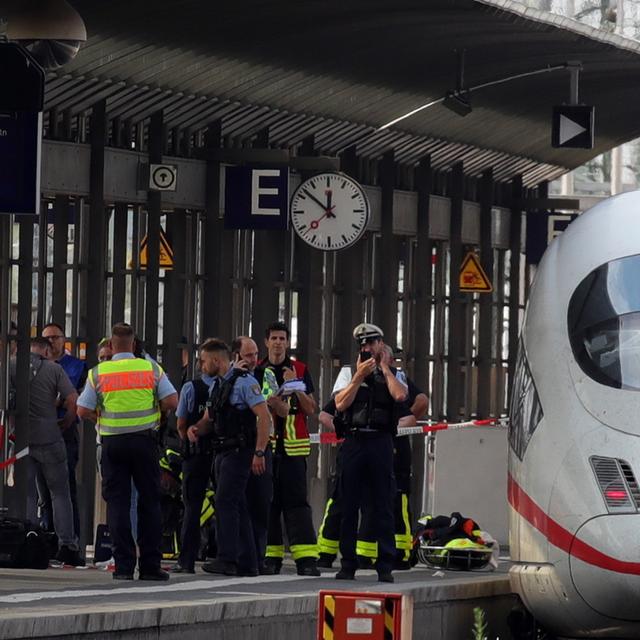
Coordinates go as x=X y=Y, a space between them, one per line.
x=472 y=276
x=166 y=253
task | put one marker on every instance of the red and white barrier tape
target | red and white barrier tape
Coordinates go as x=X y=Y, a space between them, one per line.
x=422 y=428
x=9 y=461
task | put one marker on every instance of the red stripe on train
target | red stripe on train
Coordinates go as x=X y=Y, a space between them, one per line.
x=559 y=537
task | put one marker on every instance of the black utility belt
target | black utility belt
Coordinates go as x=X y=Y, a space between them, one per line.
x=227 y=444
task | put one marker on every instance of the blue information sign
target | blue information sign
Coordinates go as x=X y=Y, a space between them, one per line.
x=542 y=228
x=256 y=198
x=20 y=142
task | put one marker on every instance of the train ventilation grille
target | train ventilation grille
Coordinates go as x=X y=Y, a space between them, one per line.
x=613 y=485
x=630 y=479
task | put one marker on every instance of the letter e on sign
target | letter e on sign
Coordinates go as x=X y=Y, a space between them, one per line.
x=257 y=190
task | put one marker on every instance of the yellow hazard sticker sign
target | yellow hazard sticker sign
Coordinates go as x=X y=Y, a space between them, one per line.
x=473 y=279
x=166 y=253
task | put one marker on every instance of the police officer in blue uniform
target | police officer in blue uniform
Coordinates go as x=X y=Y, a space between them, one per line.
x=240 y=423
x=198 y=459
x=369 y=408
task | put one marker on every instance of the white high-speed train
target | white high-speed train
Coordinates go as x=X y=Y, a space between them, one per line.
x=574 y=459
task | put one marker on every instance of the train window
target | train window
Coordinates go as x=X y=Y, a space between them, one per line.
x=525 y=411
x=604 y=324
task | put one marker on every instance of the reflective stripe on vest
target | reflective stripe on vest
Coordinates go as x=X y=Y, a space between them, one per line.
x=296 y=434
x=126 y=392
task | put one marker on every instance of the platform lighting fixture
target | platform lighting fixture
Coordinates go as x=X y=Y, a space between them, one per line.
x=52 y=30
x=458 y=100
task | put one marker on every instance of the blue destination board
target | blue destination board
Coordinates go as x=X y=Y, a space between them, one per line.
x=20 y=141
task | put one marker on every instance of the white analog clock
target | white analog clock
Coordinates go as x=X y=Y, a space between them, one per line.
x=329 y=211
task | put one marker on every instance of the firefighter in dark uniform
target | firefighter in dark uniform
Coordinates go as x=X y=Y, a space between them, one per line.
x=369 y=408
x=292 y=446
x=197 y=460
x=239 y=421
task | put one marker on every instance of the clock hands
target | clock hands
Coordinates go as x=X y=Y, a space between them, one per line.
x=315 y=199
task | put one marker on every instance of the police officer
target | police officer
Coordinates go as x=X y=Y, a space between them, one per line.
x=366 y=547
x=198 y=459
x=259 y=487
x=125 y=396
x=240 y=422
x=369 y=406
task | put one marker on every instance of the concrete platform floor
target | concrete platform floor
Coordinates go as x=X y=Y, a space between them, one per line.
x=81 y=603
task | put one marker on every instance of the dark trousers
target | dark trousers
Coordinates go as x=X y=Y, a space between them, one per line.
x=234 y=531
x=124 y=458
x=259 y=495
x=329 y=532
x=290 y=501
x=46 y=517
x=367 y=461
x=196 y=473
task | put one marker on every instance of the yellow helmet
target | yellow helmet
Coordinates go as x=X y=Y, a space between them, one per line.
x=366 y=331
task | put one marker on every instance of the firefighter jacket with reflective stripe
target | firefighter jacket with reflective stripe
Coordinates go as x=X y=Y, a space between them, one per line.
x=127 y=395
x=294 y=432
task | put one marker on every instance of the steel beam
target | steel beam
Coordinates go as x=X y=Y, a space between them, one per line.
x=219 y=243
x=60 y=236
x=455 y=349
x=386 y=300
x=485 y=329
x=515 y=246
x=154 y=211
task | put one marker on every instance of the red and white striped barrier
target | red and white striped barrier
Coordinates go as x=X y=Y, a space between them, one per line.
x=423 y=426
x=9 y=461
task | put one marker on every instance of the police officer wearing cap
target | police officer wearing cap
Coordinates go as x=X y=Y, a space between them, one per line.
x=239 y=423
x=369 y=407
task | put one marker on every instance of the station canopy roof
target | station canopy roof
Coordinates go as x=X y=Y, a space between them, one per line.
x=340 y=69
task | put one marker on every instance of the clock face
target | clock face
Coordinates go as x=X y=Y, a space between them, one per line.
x=329 y=211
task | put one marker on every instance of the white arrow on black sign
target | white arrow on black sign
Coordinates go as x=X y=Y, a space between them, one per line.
x=572 y=126
x=569 y=129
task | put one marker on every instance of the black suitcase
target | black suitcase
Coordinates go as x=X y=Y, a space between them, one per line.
x=22 y=546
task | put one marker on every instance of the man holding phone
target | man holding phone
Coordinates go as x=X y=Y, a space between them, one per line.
x=370 y=405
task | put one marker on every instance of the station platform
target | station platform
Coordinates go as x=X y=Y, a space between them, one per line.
x=88 y=603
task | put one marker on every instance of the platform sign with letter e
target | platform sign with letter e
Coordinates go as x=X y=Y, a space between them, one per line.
x=572 y=127
x=473 y=279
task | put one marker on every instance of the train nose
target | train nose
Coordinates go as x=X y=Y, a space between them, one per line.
x=604 y=560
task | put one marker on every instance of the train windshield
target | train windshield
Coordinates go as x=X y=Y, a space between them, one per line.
x=604 y=324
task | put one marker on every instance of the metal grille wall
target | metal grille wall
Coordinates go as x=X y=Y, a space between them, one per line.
x=86 y=275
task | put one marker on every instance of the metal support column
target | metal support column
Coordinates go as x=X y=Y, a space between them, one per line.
x=515 y=247
x=60 y=236
x=485 y=333
x=174 y=285
x=421 y=324
x=93 y=325
x=455 y=392
x=154 y=211
x=269 y=254
x=218 y=255
x=120 y=216
x=25 y=292
x=350 y=276
x=386 y=300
